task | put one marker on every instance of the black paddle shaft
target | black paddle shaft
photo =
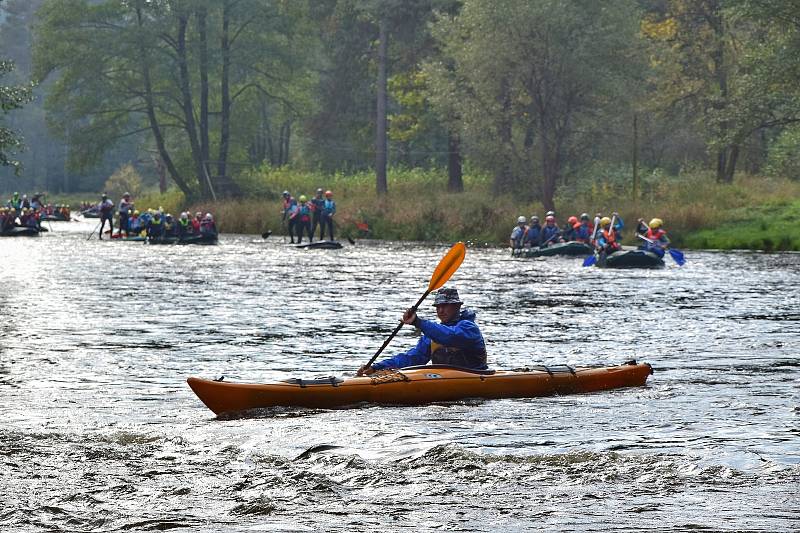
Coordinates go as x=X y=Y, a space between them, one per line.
x=396 y=330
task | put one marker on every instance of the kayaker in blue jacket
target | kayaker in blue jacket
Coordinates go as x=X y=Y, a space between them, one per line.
x=456 y=341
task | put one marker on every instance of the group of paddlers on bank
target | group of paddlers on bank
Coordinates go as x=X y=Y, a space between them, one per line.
x=152 y=224
x=603 y=233
x=301 y=215
x=20 y=211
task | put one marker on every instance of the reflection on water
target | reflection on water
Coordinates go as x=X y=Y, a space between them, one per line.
x=102 y=434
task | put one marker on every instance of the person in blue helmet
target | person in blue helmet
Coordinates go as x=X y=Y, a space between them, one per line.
x=456 y=341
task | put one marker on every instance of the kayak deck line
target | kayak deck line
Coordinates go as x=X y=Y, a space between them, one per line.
x=417 y=386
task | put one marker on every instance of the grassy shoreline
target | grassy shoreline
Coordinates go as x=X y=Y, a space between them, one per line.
x=752 y=213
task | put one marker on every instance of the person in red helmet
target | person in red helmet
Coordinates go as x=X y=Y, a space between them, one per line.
x=568 y=233
x=328 y=211
x=551 y=233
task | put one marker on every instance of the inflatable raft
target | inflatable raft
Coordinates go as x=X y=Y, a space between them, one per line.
x=21 y=231
x=417 y=385
x=561 y=248
x=630 y=259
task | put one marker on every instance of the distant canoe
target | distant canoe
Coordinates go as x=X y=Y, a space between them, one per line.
x=561 y=248
x=53 y=218
x=322 y=245
x=630 y=259
x=191 y=239
x=90 y=214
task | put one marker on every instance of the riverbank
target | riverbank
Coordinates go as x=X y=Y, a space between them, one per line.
x=752 y=213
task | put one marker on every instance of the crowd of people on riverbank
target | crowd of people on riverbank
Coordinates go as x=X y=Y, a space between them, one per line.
x=302 y=216
x=153 y=224
x=603 y=233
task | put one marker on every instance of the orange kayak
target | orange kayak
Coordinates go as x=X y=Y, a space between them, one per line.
x=417 y=385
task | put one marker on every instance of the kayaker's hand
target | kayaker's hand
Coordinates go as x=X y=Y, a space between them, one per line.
x=365 y=371
x=410 y=316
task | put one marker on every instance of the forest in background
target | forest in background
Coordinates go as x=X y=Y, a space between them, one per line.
x=541 y=100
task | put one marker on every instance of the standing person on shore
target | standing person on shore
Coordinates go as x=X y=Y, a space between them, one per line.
x=317 y=205
x=106 y=209
x=328 y=210
x=125 y=208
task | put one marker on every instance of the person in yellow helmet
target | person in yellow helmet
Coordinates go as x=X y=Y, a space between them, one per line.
x=654 y=237
x=607 y=237
x=303 y=218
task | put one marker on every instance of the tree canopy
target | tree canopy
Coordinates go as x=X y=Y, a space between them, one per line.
x=536 y=93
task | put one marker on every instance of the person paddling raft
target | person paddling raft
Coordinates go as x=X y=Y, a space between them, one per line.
x=653 y=234
x=457 y=341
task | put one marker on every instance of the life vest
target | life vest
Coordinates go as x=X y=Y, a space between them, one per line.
x=655 y=235
x=533 y=233
x=463 y=357
x=583 y=232
x=328 y=207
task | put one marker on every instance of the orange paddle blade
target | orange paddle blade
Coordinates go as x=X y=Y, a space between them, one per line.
x=447 y=266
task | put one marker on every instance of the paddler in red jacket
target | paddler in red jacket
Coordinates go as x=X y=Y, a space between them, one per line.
x=457 y=341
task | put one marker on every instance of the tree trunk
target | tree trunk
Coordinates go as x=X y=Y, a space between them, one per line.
x=455 y=180
x=188 y=110
x=155 y=127
x=726 y=163
x=381 y=146
x=202 y=29
x=225 y=97
x=504 y=181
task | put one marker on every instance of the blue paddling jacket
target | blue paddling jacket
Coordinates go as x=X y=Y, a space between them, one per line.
x=459 y=343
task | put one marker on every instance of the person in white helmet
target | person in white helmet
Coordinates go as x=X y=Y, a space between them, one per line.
x=518 y=233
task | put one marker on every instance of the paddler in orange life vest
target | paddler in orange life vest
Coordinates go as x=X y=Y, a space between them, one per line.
x=457 y=341
x=657 y=240
x=606 y=238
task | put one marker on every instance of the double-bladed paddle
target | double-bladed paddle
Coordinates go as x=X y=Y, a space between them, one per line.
x=676 y=255
x=444 y=270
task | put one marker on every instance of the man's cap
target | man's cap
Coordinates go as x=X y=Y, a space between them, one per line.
x=447 y=295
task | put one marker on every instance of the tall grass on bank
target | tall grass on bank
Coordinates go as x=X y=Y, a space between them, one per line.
x=695 y=209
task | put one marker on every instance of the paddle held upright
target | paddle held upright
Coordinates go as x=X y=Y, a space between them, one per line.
x=444 y=270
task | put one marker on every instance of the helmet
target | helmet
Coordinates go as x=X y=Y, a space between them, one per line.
x=198 y=214
x=521 y=220
x=656 y=223
x=549 y=218
x=208 y=217
x=572 y=220
x=126 y=195
x=328 y=194
x=584 y=216
x=136 y=212
x=104 y=195
x=319 y=191
x=605 y=221
x=286 y=194
x=184 y=215
x=303 y=198
x=551 y=214
x=534 y=218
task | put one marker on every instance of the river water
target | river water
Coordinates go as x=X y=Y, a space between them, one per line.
x=101 y=433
